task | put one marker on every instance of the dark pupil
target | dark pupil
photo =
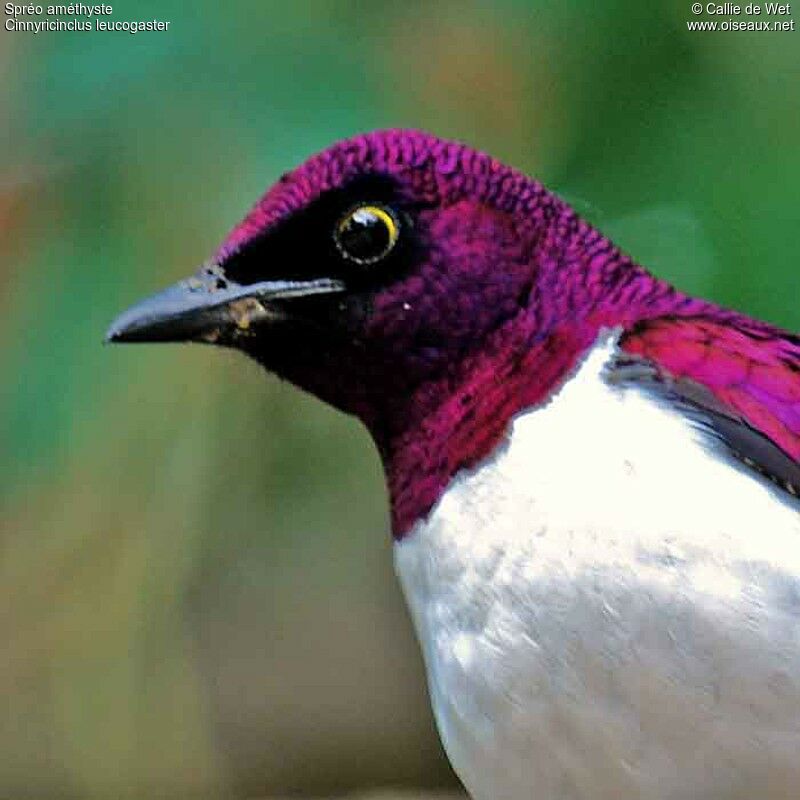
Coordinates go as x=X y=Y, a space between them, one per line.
x=364 y=236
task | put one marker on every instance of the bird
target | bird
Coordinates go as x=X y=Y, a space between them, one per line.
x=593 y=477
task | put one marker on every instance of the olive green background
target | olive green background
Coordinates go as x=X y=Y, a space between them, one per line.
x=197 y=594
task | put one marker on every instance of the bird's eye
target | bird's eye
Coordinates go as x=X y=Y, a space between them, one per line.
x=367 y=233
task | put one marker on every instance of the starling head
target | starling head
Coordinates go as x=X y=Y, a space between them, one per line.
x=416 y=283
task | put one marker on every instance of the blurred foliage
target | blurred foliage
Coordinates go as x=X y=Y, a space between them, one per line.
x=195 y=569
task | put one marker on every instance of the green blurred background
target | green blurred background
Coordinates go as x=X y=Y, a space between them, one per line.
x=194 y=565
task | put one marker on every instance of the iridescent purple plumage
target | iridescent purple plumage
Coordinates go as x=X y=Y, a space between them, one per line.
x=510 y=287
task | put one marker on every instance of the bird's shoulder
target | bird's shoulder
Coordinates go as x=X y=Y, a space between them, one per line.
x=738 y=379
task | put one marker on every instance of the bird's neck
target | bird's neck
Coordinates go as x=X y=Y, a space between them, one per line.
x=452 y=424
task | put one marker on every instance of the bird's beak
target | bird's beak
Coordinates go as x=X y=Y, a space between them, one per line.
x=209 y=308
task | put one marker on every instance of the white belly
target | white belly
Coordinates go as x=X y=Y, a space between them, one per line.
x=609 y=611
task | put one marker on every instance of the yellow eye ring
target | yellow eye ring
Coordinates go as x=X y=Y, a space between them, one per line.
x=367 y=233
